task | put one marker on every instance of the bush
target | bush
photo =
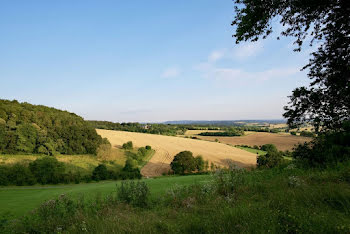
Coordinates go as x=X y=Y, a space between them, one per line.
x=270 y=160
x=227 y=181
x=20 y=175
x=269 y=148
x=148 y=147
x=307 y=134
x=128 y=145
x=4 y=173
x=47 y=170
x=327 y=148
x=293 y=133
x=136 y=194
x=100 y=173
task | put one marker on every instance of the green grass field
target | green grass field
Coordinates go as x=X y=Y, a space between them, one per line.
x=17 y=201
x=254 y=151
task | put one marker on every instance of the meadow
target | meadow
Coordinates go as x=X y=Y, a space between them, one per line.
x=166 y=147
x=17 y=201
x=84 y=164
x=285 y=199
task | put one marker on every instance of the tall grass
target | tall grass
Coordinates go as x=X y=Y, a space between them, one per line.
x=286 y=199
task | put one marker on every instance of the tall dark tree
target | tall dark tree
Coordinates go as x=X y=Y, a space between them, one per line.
x=183 y=162
x=326 y=103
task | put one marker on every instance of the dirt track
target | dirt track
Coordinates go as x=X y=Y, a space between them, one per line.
x=167 y=147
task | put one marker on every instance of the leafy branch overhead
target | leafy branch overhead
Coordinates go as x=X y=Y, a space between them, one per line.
x=326 y=103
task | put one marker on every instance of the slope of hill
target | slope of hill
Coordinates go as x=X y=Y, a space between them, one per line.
x=26 y=128
x=167 y=147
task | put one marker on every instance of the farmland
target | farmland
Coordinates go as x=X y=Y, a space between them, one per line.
x=167 y=147
x=282 y=141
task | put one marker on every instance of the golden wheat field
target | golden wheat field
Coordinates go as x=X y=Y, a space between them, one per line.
x=167 y=147
x=196 y=132
x=282 y=141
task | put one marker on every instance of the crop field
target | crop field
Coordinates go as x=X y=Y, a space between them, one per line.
x=167 y=147
x=282 y=141
x=17 y=201
x=196 y=132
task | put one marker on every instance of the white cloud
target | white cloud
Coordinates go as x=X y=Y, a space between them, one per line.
x=238 y=75
x=216 y=55
x=171 y=72
x=246 y=50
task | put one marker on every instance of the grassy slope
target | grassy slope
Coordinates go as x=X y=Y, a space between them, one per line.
x=280 y=200
x=20 y=200
x=254 y=151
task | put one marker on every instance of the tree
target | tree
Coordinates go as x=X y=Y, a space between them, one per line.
x=183 y=162
x=200 y=163
x=326 y=103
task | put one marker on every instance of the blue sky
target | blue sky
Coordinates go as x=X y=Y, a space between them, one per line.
x=143 y=60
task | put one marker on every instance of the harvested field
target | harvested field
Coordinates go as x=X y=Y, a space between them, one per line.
x=196 y=132
x=167 y=147
x=282 y=141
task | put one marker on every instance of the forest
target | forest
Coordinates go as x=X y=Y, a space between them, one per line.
x=162 y=129
x=26 y=128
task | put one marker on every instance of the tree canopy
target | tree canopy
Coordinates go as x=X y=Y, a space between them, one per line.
x=26 y=128
x=326 y=103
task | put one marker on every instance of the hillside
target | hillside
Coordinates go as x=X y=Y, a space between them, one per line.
x=167 y=147
x=26 y=128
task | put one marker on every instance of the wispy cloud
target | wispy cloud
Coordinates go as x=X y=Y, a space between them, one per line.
x=239 y=52
x=247 y=50
x=216 y=55
x=211 y=71
x=171 y=72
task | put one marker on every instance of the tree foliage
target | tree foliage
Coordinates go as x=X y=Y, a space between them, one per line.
x=326 y=103
x=47 y=170
x=184 y=162
x=26 y=128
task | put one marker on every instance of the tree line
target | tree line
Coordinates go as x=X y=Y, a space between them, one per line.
x=48 y=170
x=161 y=129
x=26 y=128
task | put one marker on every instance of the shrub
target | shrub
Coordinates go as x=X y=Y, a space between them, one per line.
x=100 y=173
x=270 y=160
x=4 y=173
x=20 y=175
x=227 y=181
x=269 y=148
x=128 y=145
x=293 y=133
x=136 y=194
x=327 y=148
x=307 y=134
x=47 y=170
x=148 y=147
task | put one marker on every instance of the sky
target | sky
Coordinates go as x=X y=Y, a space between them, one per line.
x=146 y=61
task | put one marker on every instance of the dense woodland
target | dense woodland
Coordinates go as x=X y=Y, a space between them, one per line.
x=26 y=128
x=162 y=129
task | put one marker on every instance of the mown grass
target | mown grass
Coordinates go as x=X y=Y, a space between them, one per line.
x=16 y=201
